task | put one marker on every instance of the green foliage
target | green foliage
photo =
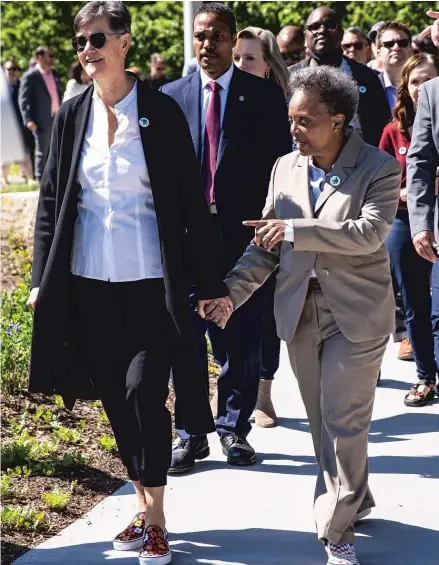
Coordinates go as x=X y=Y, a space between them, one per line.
x=57 y=499
x=108 y=443
x=17 y=451
x=59 y=402
x=43 y=415
x=23 y=519
x=5 y=485
x=16 y=326
x=67 y=435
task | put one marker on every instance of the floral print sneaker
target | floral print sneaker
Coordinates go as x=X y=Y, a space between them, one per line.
x=155 y=550
x=132 y=536
x=341 y=554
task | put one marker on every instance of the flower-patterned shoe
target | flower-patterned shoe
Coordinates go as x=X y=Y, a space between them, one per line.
x=132 y=536
x=155 y=550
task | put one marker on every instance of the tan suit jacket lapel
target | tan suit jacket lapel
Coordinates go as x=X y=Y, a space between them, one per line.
x=300 y=185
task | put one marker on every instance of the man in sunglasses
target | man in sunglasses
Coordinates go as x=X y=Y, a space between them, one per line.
x=157 y=77
x=39 y=98
x=356 y=45
x=291 y=42
x=323 y=37
x=394 y=43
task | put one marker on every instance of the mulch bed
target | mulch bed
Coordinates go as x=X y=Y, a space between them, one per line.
x=101 y=476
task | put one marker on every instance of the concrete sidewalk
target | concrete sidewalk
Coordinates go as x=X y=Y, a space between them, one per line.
x=262 y=515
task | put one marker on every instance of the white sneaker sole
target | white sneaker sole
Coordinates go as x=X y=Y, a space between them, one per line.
x=162 y=560
x=128 y=545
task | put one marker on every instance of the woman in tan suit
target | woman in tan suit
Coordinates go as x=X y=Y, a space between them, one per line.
x=329 y=209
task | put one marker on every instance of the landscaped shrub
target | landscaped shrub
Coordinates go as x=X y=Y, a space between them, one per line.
x=23 y=519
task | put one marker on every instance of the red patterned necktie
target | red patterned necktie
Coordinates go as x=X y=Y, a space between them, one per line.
x=211 y=141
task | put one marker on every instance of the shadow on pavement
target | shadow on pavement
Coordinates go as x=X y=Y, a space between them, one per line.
x=382 y=543
x=410 y=423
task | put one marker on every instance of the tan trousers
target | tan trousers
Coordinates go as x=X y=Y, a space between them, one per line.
x=337 y=380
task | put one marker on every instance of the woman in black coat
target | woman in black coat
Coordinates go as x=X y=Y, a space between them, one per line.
x=122 y=230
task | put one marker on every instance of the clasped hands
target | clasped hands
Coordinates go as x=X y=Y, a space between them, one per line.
x=217 y=310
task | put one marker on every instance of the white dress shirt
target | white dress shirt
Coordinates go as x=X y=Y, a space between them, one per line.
x=206 y=93
x=116 y=235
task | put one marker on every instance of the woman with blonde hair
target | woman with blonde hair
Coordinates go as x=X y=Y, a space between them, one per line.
x=257 y=52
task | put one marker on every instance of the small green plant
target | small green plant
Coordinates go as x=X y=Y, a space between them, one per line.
x=59 y=401
x=108 y=443
x=19 y=471
x=44 y=416
x=24 y=519
x=17 y=451
x=103 y=416
x=67 y=435
x=68 y=460
x=57 y=499
x=5 y=485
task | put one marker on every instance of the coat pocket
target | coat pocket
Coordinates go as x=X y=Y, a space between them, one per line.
x=370 y=263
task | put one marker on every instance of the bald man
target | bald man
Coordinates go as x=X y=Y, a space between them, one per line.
x=323 y=37
x=291 y=42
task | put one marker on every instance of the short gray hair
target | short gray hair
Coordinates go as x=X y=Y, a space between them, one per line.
x=335 y=89
x=117 y=14
x=355 y=30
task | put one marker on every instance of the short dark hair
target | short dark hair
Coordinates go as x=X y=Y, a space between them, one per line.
x=222 y=11
x=334 y=88
x=355 y=30
x=398 y=26
x=117 y=14
x=41 y=50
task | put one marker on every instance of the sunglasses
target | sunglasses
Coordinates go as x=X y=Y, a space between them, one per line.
x=292 y=55
x=12 y=69
x=314 y=28
x=97 y=40
x=400 y=42
x=357 y=45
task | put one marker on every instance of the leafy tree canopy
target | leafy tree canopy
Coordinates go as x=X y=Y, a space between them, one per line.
x=158 y=26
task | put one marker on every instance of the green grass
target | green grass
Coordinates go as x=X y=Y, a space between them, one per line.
x=19 y=187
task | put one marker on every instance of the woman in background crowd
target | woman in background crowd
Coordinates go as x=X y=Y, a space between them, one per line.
x=410 y=270
x=257 y=52
x=79 y=81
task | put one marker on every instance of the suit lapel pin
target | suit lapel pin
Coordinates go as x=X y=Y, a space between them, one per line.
x=241 y=98
x=402 y=150
x=362 y=89
x=335 y=180
x=144 y=122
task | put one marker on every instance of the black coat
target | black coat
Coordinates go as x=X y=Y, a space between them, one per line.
x=254 y=135
x=373 y=109
x=188 y=246
x=34 y=98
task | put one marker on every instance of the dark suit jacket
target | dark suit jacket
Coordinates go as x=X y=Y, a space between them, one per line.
x=255 y=133
x=373 y=109
x=422 y=161
x=34 y=99
x=186 y=238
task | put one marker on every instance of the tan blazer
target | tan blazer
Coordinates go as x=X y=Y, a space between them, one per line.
x=343 y=241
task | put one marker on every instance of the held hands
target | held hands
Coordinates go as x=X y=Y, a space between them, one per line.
x=267 y=232
x=433 y=29
x=218 y=310
x=425 y=245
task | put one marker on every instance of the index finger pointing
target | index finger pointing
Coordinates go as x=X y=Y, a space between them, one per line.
x=432 y=14
x=254 y=223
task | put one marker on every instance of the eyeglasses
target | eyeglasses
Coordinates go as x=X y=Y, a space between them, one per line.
x=330 y=25
x=292 y=55
x=357 y=45
x=399 y=42
x=97 y=40
x=11 y=69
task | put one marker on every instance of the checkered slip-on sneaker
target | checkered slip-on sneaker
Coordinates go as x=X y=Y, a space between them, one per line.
x=155 y=550
x=341 y=554
x=132 y=536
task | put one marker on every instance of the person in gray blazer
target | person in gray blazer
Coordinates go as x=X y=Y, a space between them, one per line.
x=329 y=209
x=422 y=200
x=39 y=98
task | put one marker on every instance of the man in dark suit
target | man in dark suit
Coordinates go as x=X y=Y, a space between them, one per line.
x=239 y=127
x=323 y=36
x=394 y=44
x=422 y=199
x=39 y=99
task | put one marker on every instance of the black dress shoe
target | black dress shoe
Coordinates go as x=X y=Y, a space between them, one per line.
x=238 y=450
x=186 y=452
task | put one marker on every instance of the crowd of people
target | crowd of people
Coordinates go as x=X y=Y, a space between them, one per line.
x=149 y=237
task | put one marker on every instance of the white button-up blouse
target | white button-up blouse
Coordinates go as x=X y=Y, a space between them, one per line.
x=116 y=234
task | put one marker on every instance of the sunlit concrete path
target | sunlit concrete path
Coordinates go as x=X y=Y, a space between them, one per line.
x=262 y=515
